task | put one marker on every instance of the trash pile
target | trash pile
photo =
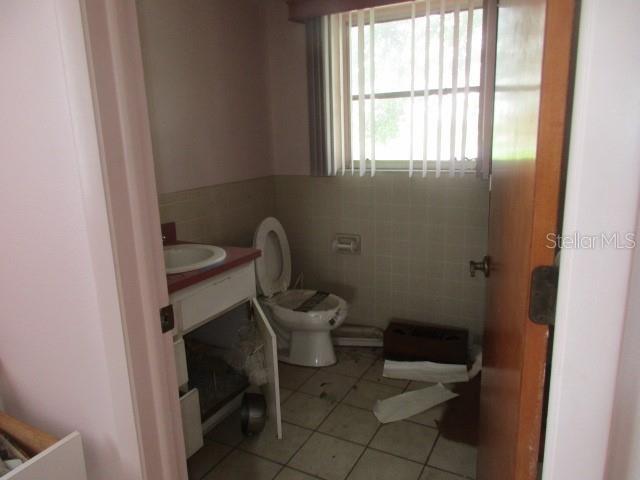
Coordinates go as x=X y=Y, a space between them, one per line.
x=247 y=355
x=411 y=403
x=425 y=353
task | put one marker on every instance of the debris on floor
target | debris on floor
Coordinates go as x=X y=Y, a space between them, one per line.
x=411 y=403
x=425 y=353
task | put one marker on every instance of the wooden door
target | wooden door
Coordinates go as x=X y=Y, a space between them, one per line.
x=533 y=74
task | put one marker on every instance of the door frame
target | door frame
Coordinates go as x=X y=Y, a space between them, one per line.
x=588 y=332
x=122 y=123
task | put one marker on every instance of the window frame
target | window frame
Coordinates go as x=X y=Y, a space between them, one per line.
x=393 y=13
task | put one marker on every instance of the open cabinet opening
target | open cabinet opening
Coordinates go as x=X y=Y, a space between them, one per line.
x=216 y=360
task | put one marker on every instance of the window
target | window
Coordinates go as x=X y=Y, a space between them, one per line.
x=395 y=70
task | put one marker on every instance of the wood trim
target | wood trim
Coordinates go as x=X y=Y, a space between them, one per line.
x=553 y=134
x=303 y=10
x=31 y=439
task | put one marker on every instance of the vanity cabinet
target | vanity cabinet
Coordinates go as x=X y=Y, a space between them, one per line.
x=200 y=297
x=195 y=305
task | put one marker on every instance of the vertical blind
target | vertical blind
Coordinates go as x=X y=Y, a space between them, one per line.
x=404 y=87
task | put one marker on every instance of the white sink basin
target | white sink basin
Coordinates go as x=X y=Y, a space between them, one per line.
x=188 y=257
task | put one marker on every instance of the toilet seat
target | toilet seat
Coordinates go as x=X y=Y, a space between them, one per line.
x=301 y=319
x=273 y=267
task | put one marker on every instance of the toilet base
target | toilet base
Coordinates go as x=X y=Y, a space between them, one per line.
x=310 y=349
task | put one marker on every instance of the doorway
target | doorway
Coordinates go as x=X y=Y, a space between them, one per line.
x=537 y=5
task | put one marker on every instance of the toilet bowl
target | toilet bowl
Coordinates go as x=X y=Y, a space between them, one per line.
x=301 y=319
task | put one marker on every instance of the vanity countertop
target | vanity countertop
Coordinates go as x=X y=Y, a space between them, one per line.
x=236 y=256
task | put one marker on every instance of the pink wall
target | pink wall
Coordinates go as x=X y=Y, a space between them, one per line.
x=62 y=356
x=206 y=76
x=287 y=74
x=227 y=91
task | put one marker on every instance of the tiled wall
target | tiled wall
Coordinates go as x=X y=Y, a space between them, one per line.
x=418 y=236
x=221 y=214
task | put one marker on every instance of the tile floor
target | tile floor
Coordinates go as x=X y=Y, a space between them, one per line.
x=331 y=434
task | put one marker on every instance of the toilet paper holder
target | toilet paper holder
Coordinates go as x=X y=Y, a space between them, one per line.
x=346 y=243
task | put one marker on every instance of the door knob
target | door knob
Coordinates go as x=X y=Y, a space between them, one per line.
x=483 y=266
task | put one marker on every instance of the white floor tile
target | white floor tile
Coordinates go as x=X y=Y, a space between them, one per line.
x=350 y=423
x=375 y=465
x=292 y=376
x=291 y=474
x=454 y=457
x=374 y=374
x=405 y=439
x=306 y=410
x=206 y=458
x=352 y=362
x=244 y=465
x=267 y=445
x=328 y=385
x=284 y=394
x=327 y=457
x=429 y=417
x=364 y=394
x=433 y=474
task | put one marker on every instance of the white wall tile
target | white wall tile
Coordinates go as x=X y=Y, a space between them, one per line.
x=417 y=236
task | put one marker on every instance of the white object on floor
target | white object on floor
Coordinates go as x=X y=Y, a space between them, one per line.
x=358 y=336
x=357 y=342
x=431 y=371
x=412 y=403
x=304 y=335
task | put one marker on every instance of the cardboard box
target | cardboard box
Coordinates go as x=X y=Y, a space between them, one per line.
x=405 y=341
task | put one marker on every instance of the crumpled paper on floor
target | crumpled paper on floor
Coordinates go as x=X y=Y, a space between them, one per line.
x=411 y=403
x=433 y=372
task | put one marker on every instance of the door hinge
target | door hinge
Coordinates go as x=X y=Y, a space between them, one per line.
x=544 y=291
x=166 y=318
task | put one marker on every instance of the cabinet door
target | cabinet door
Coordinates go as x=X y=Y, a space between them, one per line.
x=191 y=422
x=272 y=389
x=181 y=362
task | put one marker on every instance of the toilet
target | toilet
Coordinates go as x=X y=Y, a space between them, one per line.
x=302 y=319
